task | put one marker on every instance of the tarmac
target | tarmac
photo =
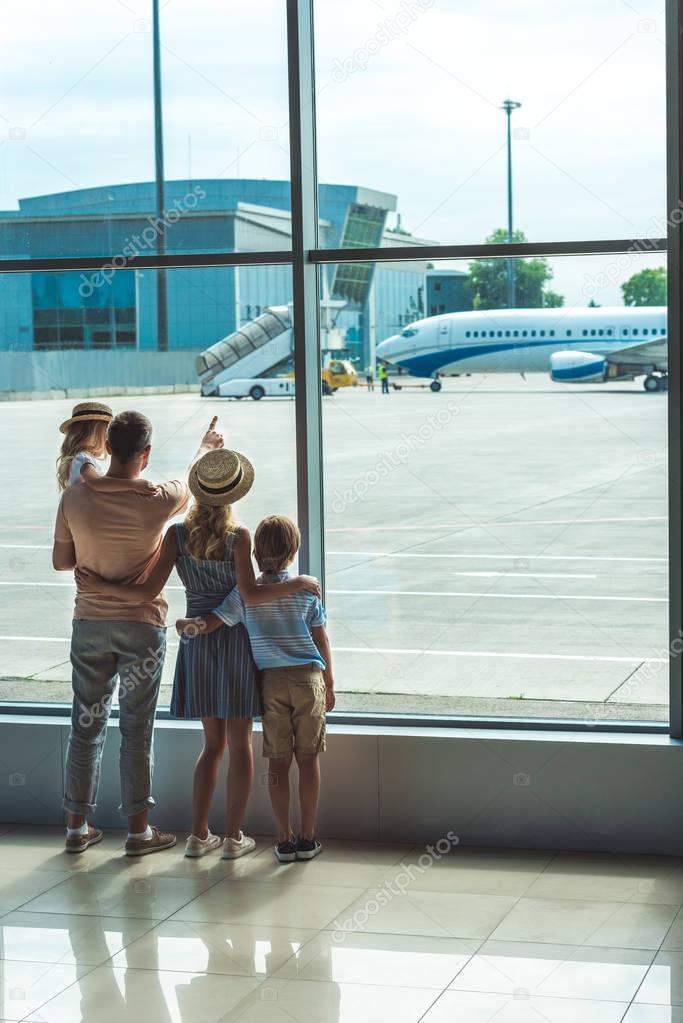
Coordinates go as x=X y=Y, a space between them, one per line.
x=496 y=549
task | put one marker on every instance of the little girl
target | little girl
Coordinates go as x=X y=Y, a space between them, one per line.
x=82 y=457
x=215 y=676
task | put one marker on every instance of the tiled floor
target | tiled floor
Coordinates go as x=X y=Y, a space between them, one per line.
x=364 y=934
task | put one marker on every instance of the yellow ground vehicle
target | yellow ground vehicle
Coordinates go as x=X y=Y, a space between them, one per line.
x=338 y=373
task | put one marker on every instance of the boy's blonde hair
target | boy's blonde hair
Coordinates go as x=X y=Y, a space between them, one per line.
x=276 y=542
x=206 y=529
x=89 y=436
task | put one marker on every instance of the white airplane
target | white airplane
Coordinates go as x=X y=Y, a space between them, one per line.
x=578 y=346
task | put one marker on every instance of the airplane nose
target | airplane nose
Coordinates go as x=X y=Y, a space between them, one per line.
x=386 y=348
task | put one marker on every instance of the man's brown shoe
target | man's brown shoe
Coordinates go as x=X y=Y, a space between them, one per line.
x=143 y=846
x=79 y=843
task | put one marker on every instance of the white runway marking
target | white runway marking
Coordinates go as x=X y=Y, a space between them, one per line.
x=35 y=639
x=26 y=546
x=408 y=554
x=492 y=557
x=415 y=651
x=69 y=582
x=11 y=582
x=526 y=575
x=23 y=526
x=471 y=524
x=499 y=654
x=496 y=596
x=416 y=593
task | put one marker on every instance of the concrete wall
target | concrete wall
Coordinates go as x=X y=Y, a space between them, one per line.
x=73 y=373
x=556 y=790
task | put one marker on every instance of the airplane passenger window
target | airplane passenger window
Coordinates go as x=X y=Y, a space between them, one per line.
x=515 y=333
x=542 y=333
x=507 y=333
x=569 y=333
x=601 y=332
x=645 y=330
x=585 y=333
x=500 y=333
x=467 y=333
x=552 y=333
x=533 y=333
x=476 y=333
x=635 y=330
x=524 y=333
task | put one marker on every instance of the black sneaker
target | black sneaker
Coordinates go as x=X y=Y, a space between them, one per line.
x=285 y=852
x=308 y=848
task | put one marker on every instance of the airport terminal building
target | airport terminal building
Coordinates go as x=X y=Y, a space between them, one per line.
x=48 y=312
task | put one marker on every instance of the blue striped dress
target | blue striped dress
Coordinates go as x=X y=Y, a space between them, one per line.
x=215 y=674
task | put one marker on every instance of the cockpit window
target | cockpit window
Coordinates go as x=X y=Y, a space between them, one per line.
x=409 y=332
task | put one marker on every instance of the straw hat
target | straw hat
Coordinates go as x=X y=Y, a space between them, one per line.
x=221 y=477
x=86 y=411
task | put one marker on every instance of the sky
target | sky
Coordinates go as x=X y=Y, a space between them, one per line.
x=408 y=102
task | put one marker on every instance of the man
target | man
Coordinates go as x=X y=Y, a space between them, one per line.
x=384 y=377
x=118 y=535
x=370 y=377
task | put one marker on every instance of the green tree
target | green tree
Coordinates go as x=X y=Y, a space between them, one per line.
x=552 y=300
x=488 y=280
x=647 y=287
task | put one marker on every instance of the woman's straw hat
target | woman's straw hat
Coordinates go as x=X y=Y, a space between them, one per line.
x=221 y=477
x=86 y=411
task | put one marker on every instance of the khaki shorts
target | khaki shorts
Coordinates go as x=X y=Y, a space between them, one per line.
x=293 y=710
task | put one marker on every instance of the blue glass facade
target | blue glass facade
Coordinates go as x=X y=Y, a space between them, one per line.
x=68 y=315
x=447 y=292
x=117 y=309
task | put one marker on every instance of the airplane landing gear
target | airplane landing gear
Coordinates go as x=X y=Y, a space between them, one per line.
x=656 y=383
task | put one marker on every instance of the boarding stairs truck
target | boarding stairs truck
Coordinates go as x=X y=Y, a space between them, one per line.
x=244 y=363
x=237 y=366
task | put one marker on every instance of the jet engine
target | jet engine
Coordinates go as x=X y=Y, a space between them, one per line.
x=577 y=368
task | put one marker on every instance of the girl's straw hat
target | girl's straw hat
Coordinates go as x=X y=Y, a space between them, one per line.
x=221 y=477
x=86 y=411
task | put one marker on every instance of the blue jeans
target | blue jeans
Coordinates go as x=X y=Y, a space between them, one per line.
x=102 y=651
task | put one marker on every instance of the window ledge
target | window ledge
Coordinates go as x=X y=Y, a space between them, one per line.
x=411 y=731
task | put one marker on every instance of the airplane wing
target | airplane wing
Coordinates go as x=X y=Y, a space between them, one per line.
x=649 y=354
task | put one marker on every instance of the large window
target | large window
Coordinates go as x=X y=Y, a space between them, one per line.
x=410 y=97
x=492 y=519
x=499 y=546
x=205 y=305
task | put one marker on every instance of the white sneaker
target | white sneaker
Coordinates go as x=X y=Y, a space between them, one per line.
x=195 y=847
x=233 y=848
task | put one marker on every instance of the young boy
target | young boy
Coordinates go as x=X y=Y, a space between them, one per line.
x=290 y=646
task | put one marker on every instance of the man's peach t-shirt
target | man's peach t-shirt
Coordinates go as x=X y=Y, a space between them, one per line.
x=118 y=536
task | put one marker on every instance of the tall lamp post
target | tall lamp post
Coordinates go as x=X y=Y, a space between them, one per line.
x=508 y=106
x=162 y=291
